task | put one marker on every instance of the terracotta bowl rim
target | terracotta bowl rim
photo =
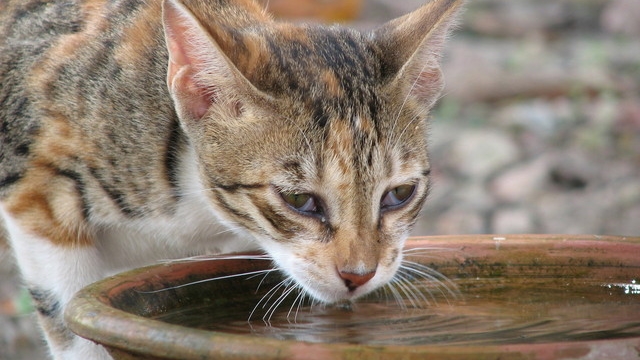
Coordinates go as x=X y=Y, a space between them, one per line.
x=90 y=315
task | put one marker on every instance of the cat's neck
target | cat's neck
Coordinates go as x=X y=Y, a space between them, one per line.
x=190 y=229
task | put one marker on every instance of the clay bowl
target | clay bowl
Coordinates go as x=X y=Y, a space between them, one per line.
x=509 y=296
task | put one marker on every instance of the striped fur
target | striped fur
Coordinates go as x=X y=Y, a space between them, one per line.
x=139 y=130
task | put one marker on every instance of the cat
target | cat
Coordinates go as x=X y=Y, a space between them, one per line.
x=139 y=130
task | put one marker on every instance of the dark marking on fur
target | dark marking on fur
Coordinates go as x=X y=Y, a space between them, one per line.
x=278 y=221
x=10 y=179
x=22 y=149
x=118 y=198
x=235 y=187
x=49 y=311
x=239 y=216
x=320 y=116
x=294 y=169
x=35 y=10
x=412 y=213
x=80 y=188
x=45 y=303
x=175 y=144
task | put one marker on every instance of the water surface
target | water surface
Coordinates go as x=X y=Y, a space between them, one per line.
x=486 y=311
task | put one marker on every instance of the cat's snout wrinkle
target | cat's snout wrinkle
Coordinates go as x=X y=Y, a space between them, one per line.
x=353 y=280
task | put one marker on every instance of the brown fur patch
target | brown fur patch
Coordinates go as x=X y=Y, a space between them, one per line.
x=366 y=125
x=252 y=61
x=45 y=201
x=48 y=213
x=350 y=251
x=340 y=144
x=139 y=35
x=331 y=83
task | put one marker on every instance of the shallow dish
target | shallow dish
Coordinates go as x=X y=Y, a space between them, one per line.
x=500 y=296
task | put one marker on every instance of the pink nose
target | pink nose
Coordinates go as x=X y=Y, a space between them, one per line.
x=352 y=280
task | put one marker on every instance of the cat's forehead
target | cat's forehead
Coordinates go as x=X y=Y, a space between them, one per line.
x=341 y=122
x=324 y=67
x=319 y=48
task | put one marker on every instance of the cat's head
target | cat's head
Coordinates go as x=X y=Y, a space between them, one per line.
x=313 y=139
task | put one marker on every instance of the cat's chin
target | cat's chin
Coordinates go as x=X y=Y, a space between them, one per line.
x=338 y=293
x=323 y=283
x=335 y=296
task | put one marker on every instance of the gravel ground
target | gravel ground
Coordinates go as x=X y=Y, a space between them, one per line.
x=538 y=130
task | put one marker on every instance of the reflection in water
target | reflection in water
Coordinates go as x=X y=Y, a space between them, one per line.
x=489 y=312
x=630 y=289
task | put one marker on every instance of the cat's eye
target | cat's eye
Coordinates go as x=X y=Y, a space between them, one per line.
x=305 y=203
x=397 y=196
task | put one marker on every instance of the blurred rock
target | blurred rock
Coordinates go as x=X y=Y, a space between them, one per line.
x=622 y=17
x=568 y=213
x=459 y=220
x=513 y=18
x=20 y=338
x=479 y=153
x=624 y=224
x=539 y=116
x=573 y=170
x=626 y=128
x=517 y=220
x=522 y=182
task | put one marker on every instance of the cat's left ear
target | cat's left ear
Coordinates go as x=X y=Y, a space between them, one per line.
x=412 y=46
x=199 y=74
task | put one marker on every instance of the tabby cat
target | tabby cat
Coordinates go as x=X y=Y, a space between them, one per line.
x=139 y=130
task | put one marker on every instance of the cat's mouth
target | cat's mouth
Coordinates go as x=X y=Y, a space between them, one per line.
x=306 y=282
x=318 y=275
x=339 y=286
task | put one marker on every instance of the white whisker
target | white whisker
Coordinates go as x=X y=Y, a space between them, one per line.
x=299 y=299
x=220 y=257
x=264 y=300
x=425 y=250
x=396 y=294
x=261 y=281
x=401 y=283
x=432 y=276
x=207 y=280
x=414 y=290
x=272 y=309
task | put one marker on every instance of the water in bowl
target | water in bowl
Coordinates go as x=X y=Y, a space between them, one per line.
x=485 y=311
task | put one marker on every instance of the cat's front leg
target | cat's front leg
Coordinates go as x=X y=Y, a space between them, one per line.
x=53 y=273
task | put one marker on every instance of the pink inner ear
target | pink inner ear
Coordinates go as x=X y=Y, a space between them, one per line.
x=182 y=32
x=199 y=74
x=427 y=84
x=201 y=98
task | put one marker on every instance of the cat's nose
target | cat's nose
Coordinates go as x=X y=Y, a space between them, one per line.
x=353 y=280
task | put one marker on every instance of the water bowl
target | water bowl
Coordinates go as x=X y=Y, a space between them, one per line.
x=498 y=297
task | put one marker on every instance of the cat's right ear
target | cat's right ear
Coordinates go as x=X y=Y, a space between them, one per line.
x=199 y=74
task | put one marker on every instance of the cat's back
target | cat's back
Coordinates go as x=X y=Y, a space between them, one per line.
x=93 y=71
x=53 y=57
x=27 y=30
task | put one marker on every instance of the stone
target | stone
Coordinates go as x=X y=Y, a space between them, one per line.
x=541 y=117
x=480 y=153
x=513 y=221
x=521 y=182
x=460 y=220
x=621 y=16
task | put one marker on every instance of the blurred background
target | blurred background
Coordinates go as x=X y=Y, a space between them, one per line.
x=538 y=130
